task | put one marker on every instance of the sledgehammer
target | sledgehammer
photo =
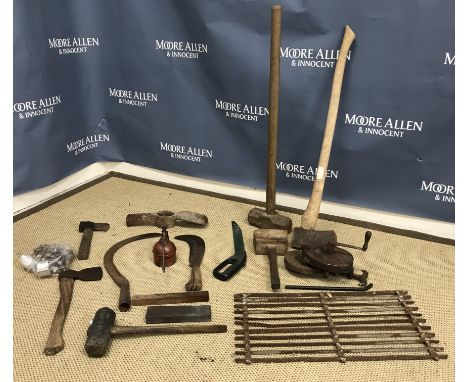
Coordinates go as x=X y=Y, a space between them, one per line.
x=270 y=218
x=102 y=329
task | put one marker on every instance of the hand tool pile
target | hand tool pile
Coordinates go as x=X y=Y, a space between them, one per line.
x=350 y=324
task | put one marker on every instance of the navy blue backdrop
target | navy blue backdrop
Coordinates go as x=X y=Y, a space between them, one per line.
x=182 y=86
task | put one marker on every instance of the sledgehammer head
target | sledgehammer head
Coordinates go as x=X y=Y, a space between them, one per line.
x=100 y=332
x=261 y=219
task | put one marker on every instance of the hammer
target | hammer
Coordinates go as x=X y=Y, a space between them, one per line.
x=271 y=242
x=270 y=218
x=67 y=279
x=102 y=329
x=306 y=234
x=88 y=228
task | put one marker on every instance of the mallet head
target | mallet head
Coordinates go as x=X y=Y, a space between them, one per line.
x=261 y=219
x=266 y=239
x=100 y=332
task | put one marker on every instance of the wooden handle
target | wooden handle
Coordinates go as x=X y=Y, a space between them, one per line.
x=185 y=329
x=170 y=298
x=274 y=275
x=55 y=341
x=85 y=245
x=273 y=107
x=310 y=216
x=195 y=282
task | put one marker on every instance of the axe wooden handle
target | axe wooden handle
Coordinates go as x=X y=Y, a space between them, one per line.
x=55 y=341
x=310 y=216
x=195 y=282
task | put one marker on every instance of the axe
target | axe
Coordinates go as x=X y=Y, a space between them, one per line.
x=67 y=279
x=306 y=235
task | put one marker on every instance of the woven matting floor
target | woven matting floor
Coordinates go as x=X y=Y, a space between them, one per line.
x=423 y=268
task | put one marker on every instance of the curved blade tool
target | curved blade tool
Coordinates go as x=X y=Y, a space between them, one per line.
x=197 y=250
x=235 y=262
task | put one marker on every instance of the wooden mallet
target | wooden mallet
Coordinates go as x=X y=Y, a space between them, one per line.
x=271 y=243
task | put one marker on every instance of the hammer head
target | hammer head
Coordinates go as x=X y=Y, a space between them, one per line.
x=309 y=238
x=94 y=226
x=99 y=332
x=87 y=274
x=266 y=239
x=261 y=219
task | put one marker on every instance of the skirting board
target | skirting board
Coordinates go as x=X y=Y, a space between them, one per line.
x=28 y=203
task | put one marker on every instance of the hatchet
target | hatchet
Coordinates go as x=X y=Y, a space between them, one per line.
x=67 y=279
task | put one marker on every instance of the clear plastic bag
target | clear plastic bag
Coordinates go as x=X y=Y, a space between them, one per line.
x=48 y=259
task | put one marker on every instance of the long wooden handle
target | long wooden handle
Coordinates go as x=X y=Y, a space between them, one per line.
x=195 y=282
x=170 y=298
x=273 y=107
x=55 y=341
x=310 y=216
x=185 y=329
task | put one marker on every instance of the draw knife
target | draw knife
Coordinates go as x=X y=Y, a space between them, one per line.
x=233 y=264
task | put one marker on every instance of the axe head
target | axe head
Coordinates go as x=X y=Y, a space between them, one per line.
x=309 y=238
x=94 y=226
x=87 y=274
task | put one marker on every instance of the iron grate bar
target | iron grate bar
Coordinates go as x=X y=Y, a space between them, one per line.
x=373 y=326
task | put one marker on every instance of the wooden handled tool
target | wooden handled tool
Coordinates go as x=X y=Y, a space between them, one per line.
x=310 y=216
x=102 y=330
x=273 y=243
x=270 y=218
x=197 y=250
x=67 y=279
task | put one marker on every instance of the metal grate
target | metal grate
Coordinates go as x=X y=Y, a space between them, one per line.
x=326 y=327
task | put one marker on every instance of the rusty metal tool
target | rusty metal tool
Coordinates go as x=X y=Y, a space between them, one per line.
x=330 y=288
x=102 y=330
x=119 y=279
x=314 y=327
x=55 y=342
x=270 y=218
x=173 y=314
x=88 y=227
x=167 y=219
x=170 y=298
x=272 y=243
x=233 y=264
x=322 y=261
x=306 y=234
x=197 y=250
